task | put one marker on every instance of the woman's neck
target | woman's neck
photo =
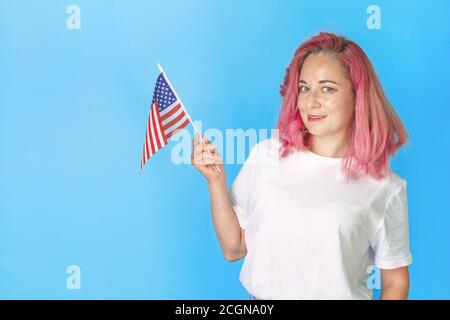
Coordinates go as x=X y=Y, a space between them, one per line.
x=329 y=147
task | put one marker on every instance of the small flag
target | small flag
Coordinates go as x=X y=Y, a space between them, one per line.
x=167 y=117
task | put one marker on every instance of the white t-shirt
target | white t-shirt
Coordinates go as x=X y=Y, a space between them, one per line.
x=311 y=234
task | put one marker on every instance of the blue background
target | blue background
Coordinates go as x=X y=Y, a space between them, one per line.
x=73 y=112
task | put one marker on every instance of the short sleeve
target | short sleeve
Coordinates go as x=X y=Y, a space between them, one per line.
x=391 y=239
x=240 y=188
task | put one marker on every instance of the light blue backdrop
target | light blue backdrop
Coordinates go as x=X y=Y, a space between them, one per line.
x=73 y=112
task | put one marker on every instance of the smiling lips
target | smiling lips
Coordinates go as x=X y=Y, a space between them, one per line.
x=315 y=117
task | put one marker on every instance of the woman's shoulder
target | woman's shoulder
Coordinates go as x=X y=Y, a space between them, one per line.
x=396 y=183
x=396 y=179
x=391 y=185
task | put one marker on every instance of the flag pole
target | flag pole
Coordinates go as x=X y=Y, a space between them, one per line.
x=185 y=110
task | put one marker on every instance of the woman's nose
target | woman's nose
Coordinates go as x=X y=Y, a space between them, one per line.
x=313 y=100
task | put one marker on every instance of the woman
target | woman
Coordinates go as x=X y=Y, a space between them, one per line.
x=315 y=206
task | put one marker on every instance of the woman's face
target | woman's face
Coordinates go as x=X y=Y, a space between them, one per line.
x=325 y=91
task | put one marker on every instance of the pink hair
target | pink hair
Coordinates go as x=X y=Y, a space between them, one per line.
x=376 y=132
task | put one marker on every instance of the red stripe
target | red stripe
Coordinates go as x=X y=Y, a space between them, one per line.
x=143 y=154
x=184 y=124
x=158 y=117
x=145 y=151
x=171 y=112
x=147 y=147
x=150 y=136
x=155 y=132
x=173 y=121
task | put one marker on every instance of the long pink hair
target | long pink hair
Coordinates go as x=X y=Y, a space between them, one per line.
x=376 y=131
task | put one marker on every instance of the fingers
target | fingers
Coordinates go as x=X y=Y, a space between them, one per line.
x=196 y=141
x=210 y=148
x=204 y=150
x=208 y=159
x=201 y=155
x=204 y=153
x=198 y=145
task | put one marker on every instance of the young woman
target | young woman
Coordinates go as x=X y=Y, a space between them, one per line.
x=316 y=206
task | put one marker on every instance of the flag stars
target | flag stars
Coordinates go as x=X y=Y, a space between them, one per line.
x=163 y=94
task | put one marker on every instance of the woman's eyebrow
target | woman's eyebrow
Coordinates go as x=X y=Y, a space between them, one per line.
x=321 y=81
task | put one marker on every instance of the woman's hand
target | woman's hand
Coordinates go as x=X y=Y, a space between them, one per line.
x=207 y=159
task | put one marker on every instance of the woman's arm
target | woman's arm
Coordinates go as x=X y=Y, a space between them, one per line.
x=394 y=283
x=205 y=158
x=231 y=236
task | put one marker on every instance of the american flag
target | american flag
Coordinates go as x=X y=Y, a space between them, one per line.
x=167 y=117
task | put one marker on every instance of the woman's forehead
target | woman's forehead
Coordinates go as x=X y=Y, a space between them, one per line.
x=321 y=66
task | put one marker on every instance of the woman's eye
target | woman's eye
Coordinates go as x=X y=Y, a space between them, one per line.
x=328 y=90
x=303 y=89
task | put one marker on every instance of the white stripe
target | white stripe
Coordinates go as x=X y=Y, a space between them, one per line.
x=158 y=130
x=164 y=122
x=149 y=149
x=176 y=124
x=152 y=134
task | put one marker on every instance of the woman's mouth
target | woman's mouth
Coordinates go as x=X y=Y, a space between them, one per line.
x=315 y=117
